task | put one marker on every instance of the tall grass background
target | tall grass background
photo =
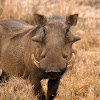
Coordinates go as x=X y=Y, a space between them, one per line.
x=82 y=80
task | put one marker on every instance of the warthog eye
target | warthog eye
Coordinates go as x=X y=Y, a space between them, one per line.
x=44 y=31
x=67 y=30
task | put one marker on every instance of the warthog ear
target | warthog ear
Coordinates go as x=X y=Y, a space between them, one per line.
x=71 y=20
x=40 y=19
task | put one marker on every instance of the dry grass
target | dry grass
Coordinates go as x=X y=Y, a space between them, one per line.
x=17 y=89
x=82 y=80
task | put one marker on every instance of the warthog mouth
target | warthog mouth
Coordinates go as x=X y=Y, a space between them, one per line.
x=53 y=75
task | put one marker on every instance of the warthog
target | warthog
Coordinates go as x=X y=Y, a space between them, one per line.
x=38 y=52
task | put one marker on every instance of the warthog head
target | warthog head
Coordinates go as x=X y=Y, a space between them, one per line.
x=56 y=42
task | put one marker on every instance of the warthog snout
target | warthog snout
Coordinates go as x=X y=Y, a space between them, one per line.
x=54 y=67
x=55 y=70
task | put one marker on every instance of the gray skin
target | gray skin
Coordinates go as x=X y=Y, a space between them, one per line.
x=51 y=43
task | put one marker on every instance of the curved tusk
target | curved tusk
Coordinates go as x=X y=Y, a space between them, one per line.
x=35 y=61
x=0 y=72
x=71 y=60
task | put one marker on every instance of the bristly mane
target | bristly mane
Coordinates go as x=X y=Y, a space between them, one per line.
x=55 y=16
x=28 y=30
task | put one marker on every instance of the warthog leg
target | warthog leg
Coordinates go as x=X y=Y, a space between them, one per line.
x=37 y=88
x=52 y=88
x=4 y=77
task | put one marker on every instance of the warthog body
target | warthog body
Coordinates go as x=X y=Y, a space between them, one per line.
x=51 y=43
